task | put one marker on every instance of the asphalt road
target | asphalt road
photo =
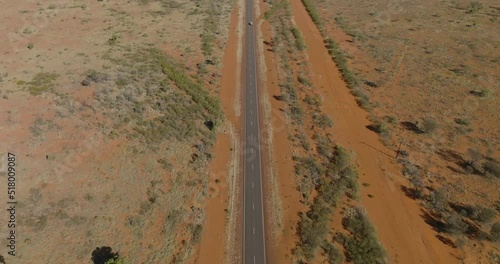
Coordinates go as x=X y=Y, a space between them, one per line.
x=253 y=209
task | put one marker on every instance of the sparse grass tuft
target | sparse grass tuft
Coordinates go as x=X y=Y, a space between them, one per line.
x=42 y=82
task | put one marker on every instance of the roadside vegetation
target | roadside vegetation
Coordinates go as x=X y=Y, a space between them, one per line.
x=325 y=173
x=182 y=108
x=338 y=56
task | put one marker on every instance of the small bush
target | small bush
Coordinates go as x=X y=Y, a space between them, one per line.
x=113 y=39
x=418 y=186
x=341 y=159
x=323 y=146
x=429 y=125
x=455 y=225
x=313 y=227
x=438 y=199
x=481 y=93
x=474 y=6
x=283 y=97
x=297 y=114
x=322 y=120
x=362 y=245
x=479 y=213
x=392 y=119
x=462 y=121
x=196 y=233
x=303 y=141
x=495 y=232
x=42 y=82
x=303 y=80
x=309 y=167
x=381 y=128
x=411 y=169
x=335 y=256
x=492 y=168
x=312 y=100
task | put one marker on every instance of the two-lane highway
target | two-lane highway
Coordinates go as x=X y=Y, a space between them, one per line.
x=253 y=208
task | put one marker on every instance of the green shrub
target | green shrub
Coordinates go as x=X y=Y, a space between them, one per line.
x=495 y=232
x=297 y=113
x=455 y=225
x=381 y=128
x=438 y=199
x=492 y=168
x=303 y=80
x=312 y=100
x=303 y=141
x=299 y=41
x=308 y=167
x=362 y=245
x=479 y=213
x=462 y=121
x=42 y=82
x=335 y=256
x=113 y=39
x=341 y=159
x=196 y=233
x=322 y=120
x=474 y=7
x=313 y=227
x=193 y=89
x=429 y=125
x=392 y=119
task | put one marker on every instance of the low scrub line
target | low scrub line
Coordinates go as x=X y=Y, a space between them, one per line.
x=338 y=57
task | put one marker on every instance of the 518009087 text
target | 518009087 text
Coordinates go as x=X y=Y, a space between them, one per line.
x=11 y=203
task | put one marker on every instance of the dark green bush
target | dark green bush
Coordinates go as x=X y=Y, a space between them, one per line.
x=495 y=232
x=335 y=256
x=429 y=125
x=362 y=245
x=492 y=168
